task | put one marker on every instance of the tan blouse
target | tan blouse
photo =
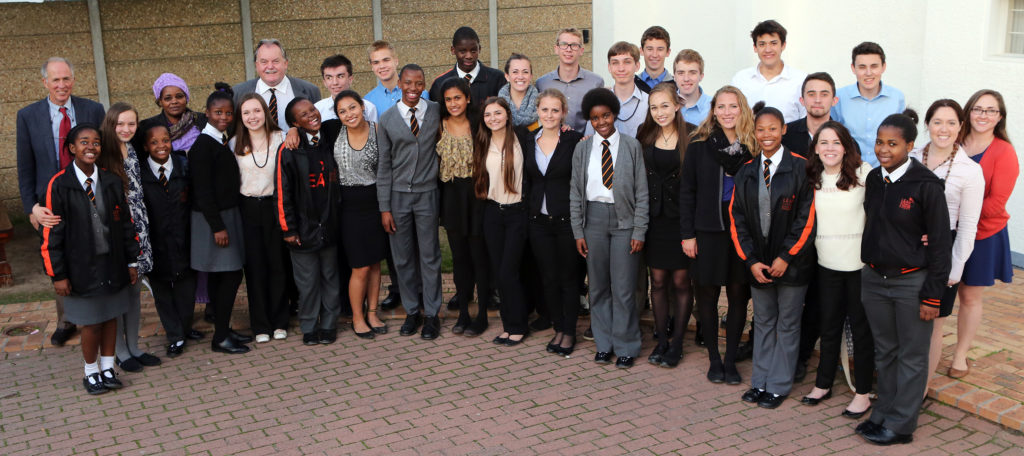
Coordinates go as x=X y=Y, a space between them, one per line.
x=456 y=153
x=257 y=168
x=496 y=190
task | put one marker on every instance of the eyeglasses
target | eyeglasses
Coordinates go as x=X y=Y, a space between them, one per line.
x=988 y=112
x=564 y=46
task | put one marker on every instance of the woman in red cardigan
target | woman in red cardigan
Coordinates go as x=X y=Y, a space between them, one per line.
x=984 y=138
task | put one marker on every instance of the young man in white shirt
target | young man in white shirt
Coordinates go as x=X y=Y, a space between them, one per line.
x=771 y=80
x=336 y=72
x=623 y=62
x=688 y=72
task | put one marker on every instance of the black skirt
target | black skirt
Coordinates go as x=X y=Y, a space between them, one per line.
x=461 y=211
x=663 y=249
x=717 y=263
x=362 y=234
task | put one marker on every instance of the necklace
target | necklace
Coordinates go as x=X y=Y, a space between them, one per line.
x=664 y=138
x=266 y=160
x=924 y=157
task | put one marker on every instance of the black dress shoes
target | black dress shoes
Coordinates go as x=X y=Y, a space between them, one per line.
x=625 y=362
x=327 y=336
x=229 y=345
x=194 y=335
x=61 y=336
x=753 y=395
x=732 y=376
x=816 y=400
x=771 y=401
x=498 y=340
x=130 y=365
x=364 y=335
x=866 y=426
x=175 y=349
x=745 y=351
x=148 y=360
x=801 y=372
x=392 y=301
x=240 y=338
x=566 y=351
x=461 y=323
x=431 y=328
x=672 y=357
x=855 y=415
x=512 y=343
x=881 y=435
x=603 y=358
x=716 y=372
x=93 y=384
x=312 y=338
x=656 y=354
x=109 y=378
x=477 y=327
x=412 y=323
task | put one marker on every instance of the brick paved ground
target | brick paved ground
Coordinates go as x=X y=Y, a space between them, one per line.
x=458 y=395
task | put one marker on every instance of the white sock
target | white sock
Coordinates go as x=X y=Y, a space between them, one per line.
x=106 y=362
x=91 y=368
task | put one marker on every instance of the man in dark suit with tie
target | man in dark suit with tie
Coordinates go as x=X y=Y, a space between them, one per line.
x=42 y=128
x=483 y=81
x=273 y=83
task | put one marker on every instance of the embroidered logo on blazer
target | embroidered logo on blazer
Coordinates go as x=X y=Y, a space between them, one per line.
x=117 y=213
x=787 y=202
x=907 y=203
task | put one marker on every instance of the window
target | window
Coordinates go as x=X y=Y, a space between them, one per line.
x=1015 y=28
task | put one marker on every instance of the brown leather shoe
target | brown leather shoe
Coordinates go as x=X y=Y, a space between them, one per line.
x=957 y=373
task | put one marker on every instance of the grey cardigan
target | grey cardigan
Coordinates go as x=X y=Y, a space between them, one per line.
x=629 y=189
x=406 y=163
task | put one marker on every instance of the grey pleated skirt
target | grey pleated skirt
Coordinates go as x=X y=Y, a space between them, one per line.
x=207 y=256
x=95 y=309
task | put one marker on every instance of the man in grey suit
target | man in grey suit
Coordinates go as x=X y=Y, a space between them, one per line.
x=409 y=199
x=273 y=82
x=41 y=129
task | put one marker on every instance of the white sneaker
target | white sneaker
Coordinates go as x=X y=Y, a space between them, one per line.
x=262 y=338
x=280 y=334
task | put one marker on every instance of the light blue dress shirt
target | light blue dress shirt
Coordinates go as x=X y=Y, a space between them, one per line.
x=697 y=113
x=863 y=116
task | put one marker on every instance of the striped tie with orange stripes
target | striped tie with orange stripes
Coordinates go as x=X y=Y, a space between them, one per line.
x=414 y=124
x=88 y=191
x=607 y=170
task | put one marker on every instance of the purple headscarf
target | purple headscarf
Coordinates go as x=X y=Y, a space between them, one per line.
x=170 y=79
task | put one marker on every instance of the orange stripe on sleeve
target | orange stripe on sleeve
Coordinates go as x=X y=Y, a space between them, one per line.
x=280 y=192
x=45 y=248
x=806 y=233
x=732 y=228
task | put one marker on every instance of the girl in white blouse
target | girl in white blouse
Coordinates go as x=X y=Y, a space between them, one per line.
x=965 y=191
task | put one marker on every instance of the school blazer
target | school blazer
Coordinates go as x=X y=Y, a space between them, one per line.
x=629 y=187
x=554 y=184
x=37 y=159
x=69 y=250
x=316 y=227
x=170 y=218
x=791 y=234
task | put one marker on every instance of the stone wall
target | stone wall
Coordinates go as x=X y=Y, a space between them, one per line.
x=202 y=42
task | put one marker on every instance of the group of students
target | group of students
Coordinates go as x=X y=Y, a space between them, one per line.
x=769 y=193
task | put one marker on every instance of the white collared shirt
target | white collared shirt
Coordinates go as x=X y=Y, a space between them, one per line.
x=781 y=92
x=897 y=173
x=596 y=191
x=473 y=73
x=168 y=167
x=326 y=108
x=214 y=133
x=421 y=111
x=774 y=166
x=309 y=137
x=284 y=94
x=82 y=176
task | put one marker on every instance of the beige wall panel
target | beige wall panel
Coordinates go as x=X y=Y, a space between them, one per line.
x=317 y=33
x=405 y=6
x=502 y=4
x=135 y=76
x=433 y=26
x=25 y=85
x=135 y=14
x=538 y=19
x=32 y=51
x=9 y=187
x=8 y=155
x=172 y=42
x=43 y=18
x=285 y=10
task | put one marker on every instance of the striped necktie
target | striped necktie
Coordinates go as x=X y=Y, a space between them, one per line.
x=272 y=104
x=607 y=168
x=88 y=191
x=887 y=180
x=469 y=78
x=163 y=178
x=767 y=173
x=414 y=124
x=315 y=140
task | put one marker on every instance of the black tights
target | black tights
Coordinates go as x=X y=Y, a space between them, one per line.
x=682 y=296
x=736 y=317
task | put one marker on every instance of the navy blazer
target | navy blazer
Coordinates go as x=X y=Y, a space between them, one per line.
x=301 y=87
x=37 y=158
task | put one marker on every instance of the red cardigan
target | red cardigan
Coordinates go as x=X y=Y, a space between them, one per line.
x=1000 y=167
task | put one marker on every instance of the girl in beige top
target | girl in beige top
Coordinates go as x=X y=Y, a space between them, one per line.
x=498 y=178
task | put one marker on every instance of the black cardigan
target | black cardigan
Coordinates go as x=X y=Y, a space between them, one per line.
x=663 y=184
x=898 y=215
x=216 y=179
x=554 y=184
x=169 y=218
x=791 y=234
x=68 y=249
x=700 y=190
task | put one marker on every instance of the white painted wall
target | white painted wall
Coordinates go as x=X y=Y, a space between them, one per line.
x=934 y=48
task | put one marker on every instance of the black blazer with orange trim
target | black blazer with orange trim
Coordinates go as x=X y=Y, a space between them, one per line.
x=791 y=234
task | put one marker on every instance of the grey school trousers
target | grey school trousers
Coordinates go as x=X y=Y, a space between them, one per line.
x=777 y=312
x=415 y=245
x=612 y=271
